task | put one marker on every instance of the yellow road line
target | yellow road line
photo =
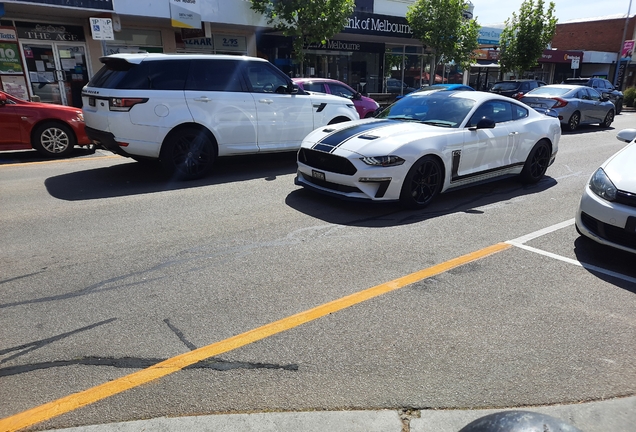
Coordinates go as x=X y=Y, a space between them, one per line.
x=50 y=161
x=72 y=402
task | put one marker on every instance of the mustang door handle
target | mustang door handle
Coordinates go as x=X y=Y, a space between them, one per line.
x=267 y=101
x=203 y=99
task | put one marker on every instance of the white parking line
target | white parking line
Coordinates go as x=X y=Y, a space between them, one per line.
x=519 y=242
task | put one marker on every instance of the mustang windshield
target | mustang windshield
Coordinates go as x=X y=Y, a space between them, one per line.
x=432 y=108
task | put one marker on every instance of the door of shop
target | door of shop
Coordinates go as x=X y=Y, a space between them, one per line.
x=57 y=71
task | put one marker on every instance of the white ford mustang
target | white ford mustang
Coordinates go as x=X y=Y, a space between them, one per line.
x=428 y=143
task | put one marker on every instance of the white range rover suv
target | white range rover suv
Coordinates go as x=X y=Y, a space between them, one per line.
x=185 y=110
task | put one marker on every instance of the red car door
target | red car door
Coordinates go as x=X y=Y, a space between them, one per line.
x=11 y=123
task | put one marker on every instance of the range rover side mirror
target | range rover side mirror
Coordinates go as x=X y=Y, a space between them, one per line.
x=292 y=88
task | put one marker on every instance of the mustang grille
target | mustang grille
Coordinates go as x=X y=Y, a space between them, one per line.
x=609 y=232
x=330 y=185
x=626 y=198
x=326 y=162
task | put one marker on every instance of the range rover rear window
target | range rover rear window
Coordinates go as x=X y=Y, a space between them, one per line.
x=148 y=75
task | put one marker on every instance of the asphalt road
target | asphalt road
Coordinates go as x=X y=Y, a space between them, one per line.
x=107 y=268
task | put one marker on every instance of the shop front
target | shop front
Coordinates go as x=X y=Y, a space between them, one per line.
x=369 y=51
x=560 y=65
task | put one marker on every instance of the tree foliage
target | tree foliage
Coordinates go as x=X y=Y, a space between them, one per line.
x=526 y=35
x=306 y=21
x=441 y=26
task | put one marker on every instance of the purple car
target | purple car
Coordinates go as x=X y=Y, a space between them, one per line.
x=364 y=105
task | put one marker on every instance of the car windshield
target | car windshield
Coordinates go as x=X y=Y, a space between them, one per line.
x=549 y=91
x=505 y=86
x=434 y=108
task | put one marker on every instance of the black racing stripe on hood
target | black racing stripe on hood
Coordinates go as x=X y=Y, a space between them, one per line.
x=330 y=142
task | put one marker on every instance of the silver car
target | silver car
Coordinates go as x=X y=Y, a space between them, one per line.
x=574 y=104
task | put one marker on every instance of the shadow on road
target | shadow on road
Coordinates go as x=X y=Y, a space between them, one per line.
x=337 y=211
x=589 y=252
x=134 y=178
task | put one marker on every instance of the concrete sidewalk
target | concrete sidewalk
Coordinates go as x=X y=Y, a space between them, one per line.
x=614 y=415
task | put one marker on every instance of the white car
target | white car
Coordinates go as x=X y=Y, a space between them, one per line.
x=427 y=143
x=607 y=210
x=186 y=109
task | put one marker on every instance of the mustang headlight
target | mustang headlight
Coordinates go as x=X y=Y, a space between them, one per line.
x=602 y=186
x=384 y=161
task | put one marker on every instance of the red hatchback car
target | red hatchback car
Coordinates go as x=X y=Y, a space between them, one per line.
x=365 y=106
x=53 y=130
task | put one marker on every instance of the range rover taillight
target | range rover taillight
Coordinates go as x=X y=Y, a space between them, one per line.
x=124 y=104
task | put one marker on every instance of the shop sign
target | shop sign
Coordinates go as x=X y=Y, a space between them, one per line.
x=199 y=43
x=379 y=25
x=84 y=4
x=9 y=59
x=49 y=32
x=558 y=56
x=338 y=45
x=185 y=13
x=230 y=43
x=628 y=50
x=489 y=36
x=7 y=35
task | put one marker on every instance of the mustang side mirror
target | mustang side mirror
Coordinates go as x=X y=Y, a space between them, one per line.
x=484 y=123
x=626 y=135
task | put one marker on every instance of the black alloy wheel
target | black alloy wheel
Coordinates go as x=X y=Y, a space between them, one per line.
x=537 y=163
x=422 y=183
x=609 y=118
x=188 y=154
x=574 y=121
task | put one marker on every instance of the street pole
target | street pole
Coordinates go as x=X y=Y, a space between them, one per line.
x=620 y=50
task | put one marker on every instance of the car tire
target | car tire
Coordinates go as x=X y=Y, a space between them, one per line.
x=609 y=118
x=187 y=154
x=619 y=107
x=574 y=121
x=422 y=183
x=537 y=163
x=53 y=139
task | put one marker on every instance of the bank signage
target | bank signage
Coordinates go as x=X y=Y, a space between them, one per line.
x=84 y=4
x=49 y=32
x=339 y=45
x=558 y=56
x=379 y=25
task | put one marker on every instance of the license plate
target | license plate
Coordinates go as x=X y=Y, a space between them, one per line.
x=91 y=101
x=318 y=175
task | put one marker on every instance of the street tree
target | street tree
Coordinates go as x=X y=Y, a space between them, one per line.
x=306 y=21
x=441 y=26
x=526 y=35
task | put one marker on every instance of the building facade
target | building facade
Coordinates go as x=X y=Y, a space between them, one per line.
x=53 y=42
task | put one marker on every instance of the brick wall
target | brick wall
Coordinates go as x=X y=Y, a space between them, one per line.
x=602 y=35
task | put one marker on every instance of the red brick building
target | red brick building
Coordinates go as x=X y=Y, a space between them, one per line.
x=596 y=37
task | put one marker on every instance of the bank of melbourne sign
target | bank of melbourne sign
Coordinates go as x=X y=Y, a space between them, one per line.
x=379 y=25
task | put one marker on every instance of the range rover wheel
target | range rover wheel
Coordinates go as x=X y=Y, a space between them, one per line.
x=53 y=139
x=422 y=183
x=187 y=154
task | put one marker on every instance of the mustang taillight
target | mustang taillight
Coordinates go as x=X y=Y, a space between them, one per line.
x=560 y=103
x=124 y=104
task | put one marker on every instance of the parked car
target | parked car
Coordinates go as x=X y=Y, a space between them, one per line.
x=394 y=85
x=607 y=210
x=604 y=87
x=186 y=110
x=575 y=105
x=515 y=88
x=364 y=105
x=441 y=87
x=429 y=143
x=52 y=130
